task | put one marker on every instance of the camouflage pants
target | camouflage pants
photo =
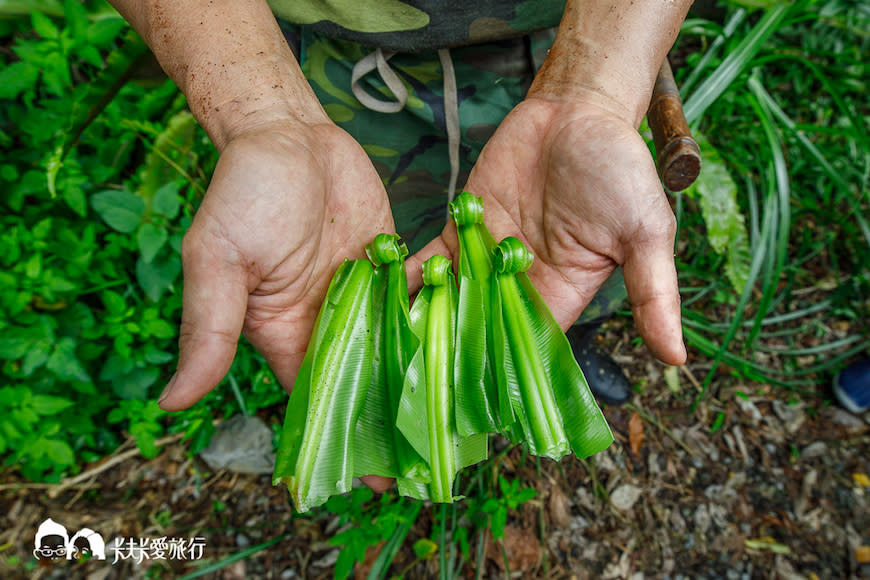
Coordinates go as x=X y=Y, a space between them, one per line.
x=409 y=149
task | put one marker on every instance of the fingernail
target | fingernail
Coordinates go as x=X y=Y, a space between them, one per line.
x=168 y=389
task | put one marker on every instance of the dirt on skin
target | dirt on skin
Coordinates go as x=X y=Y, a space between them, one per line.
x=756 y=482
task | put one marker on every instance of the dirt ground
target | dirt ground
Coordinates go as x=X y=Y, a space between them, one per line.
x=746 y=486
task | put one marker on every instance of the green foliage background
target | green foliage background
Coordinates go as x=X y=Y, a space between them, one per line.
x=98 y=190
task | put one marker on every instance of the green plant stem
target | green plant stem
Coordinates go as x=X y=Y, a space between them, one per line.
x=438 y=382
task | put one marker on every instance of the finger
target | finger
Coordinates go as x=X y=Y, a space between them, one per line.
x=377 y=483
x=651 y=282
x=213 y=312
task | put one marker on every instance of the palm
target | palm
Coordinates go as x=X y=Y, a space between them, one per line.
x=579 y=187
x=283 y=210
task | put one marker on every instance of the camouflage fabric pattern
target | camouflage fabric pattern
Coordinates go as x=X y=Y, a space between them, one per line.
x=409 y=149
x=415 y=25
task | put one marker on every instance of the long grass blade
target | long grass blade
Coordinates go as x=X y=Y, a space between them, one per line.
x=727 y=32
x=734 y=64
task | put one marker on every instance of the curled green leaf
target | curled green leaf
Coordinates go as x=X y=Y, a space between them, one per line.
x=478 y=408
x=547 y=390
x=316 y=450
x=426 y=413
x=380 y=448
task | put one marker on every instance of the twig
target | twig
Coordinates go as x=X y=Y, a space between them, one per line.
x=658 y=424
x=692 y=379
x=86 y=475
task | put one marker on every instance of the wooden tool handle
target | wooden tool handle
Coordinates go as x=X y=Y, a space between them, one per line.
x=678 y=158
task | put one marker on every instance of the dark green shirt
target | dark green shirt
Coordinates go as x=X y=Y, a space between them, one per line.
x=415 y=25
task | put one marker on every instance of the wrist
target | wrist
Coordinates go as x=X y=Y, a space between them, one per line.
x=609 y=53
x=231 y=99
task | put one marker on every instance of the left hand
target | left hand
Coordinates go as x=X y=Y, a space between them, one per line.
x=577 y=184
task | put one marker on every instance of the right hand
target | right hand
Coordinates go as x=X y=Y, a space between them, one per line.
x=288 y=202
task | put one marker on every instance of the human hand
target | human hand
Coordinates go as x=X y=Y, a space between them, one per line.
x=288 y=202
x=575 y=182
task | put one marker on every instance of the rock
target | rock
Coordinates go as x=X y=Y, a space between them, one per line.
x=625 y=496
x=748 y=408
x=813 y=450
x=235 y=571
x=792 y=416
x=241 y=444
x=843 y=418
x=702 y=518
x=328 y=561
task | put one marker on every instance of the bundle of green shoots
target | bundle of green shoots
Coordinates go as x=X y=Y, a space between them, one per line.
x=412 y=393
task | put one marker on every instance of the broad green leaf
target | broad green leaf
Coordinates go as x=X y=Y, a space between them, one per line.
x=166 y=201
x=75 y=20
x=35 y=358
x=315 y=454
x=136 y=385
x=548 y=392
x=64 y=363
x=76 y=200
x=49 y=405
x=157 y=277
x=59 y=452
x=726 y=229
x=120 y=209
x=16 y=78
x=150 y=239
x=14 y=347
x=158 y=328
x=43 y=26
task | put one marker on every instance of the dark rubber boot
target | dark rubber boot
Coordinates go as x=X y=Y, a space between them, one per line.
x=606 y=379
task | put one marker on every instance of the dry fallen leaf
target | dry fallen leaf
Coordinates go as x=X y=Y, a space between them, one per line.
x=635 y=433
x=521 y=546
x=560 y=508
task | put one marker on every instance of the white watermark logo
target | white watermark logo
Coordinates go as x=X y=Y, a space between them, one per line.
x=158 y=549
x=52 y=542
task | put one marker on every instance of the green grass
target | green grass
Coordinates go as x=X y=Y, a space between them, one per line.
x=780 y=95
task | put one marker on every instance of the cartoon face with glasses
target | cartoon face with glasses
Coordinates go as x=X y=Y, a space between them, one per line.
x=53 y=542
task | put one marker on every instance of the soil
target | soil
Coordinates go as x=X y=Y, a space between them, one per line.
x=755 y=482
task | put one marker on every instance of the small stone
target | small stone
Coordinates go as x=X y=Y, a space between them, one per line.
x=241 y=444
x=625 y=496
x=792 y=416
x=749 y=409
x=814 y=450
x=702 y=518
x=242 y=541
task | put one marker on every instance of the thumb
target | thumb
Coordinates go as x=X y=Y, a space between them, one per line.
x=213 y=312
x=651 y=282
